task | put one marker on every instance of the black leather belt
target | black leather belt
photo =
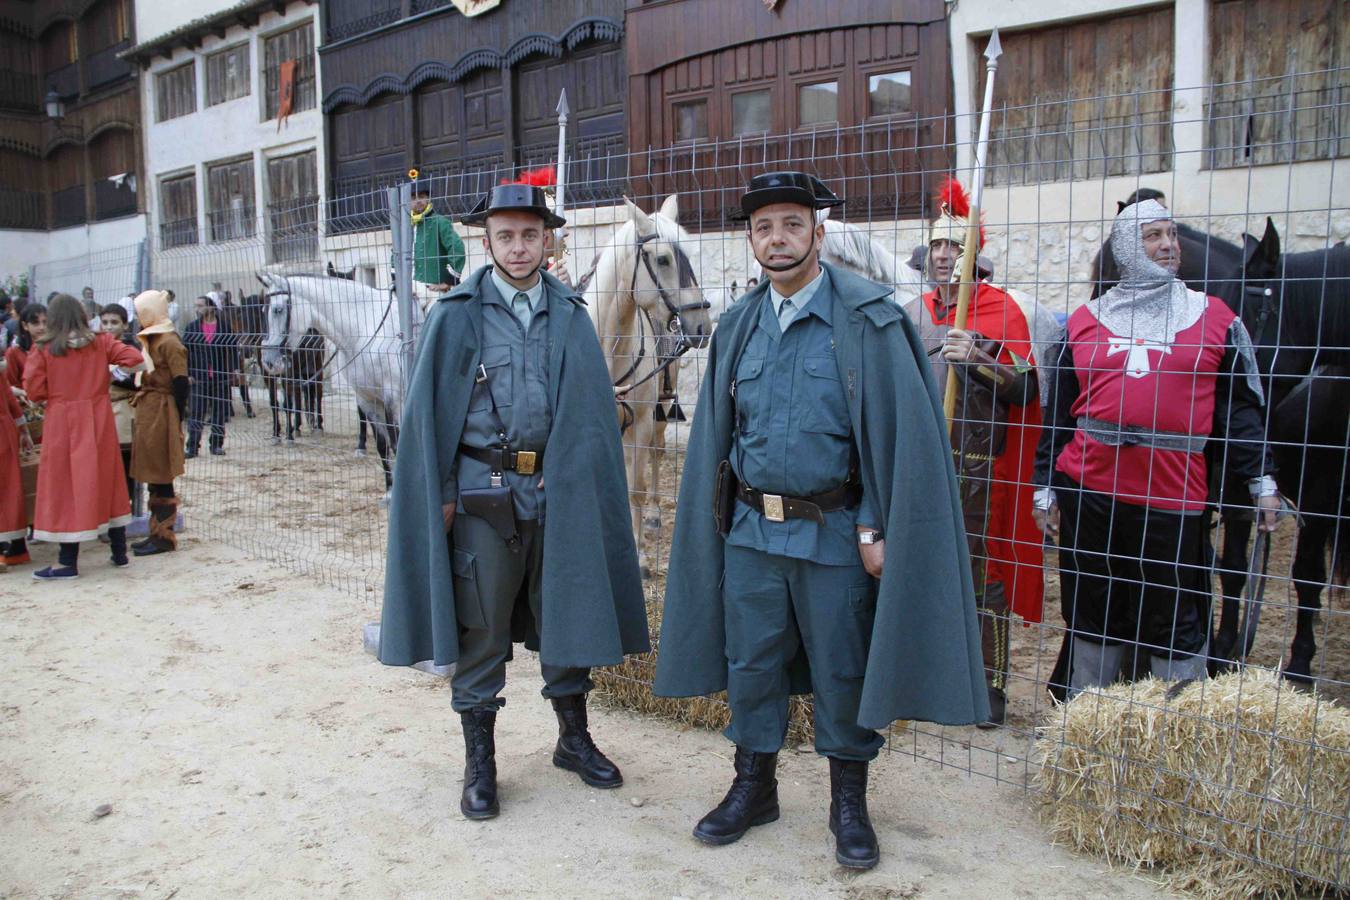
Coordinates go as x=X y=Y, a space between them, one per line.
x=778 y=508
x=526 y=462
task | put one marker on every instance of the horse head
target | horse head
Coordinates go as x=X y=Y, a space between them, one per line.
x=1253 y=288
x=663 y=280
x=286 y=323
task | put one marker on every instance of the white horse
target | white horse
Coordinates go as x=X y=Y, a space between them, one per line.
x=362 y=323
x=648 y=308
x=850 y=247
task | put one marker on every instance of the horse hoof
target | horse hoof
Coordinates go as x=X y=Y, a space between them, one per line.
x=646 y=572
x=652 y=525
x=276 y=442
x=384 y=502
x=360 y=452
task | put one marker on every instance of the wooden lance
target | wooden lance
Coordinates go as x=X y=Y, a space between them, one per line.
x=972 y=247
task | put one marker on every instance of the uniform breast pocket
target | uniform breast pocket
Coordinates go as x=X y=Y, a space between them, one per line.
x=750 y=393
x=497 y=362
x=826 y=409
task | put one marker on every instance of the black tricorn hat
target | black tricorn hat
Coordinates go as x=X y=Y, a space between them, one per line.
x=786 y=187
x=517 y=198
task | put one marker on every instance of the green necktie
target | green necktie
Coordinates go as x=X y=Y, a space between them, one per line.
x=520 y=305
x=786 y=313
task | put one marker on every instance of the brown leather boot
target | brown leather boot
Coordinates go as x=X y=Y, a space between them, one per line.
x=163 y=514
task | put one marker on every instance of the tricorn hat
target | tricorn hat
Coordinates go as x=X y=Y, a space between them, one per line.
x=786 y=187
x=514 y=197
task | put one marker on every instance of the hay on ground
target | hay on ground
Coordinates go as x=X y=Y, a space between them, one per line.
x=1237 y=786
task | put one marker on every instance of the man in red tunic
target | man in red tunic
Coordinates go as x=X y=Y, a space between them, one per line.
x=994 y=433
x=1145 y=377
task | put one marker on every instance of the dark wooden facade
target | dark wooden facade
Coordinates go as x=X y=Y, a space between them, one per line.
x=855 y=90
x=56 y=174
x=467 y=101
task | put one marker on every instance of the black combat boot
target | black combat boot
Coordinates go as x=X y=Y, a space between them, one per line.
x=575 y=750
x=855 y=843
x=752 y=800
x=479 y=800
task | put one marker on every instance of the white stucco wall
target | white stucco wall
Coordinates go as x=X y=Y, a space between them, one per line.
x=1044 y=236
x=101 y=255
x=221 y=132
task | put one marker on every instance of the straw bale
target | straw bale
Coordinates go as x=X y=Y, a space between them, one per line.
x=629 y=686
x=1235 y=787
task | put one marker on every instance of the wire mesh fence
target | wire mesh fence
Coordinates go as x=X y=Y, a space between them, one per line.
x=1161 y=575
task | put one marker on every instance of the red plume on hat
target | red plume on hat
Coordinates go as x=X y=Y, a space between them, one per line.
x=544 y=177
x=953 y=197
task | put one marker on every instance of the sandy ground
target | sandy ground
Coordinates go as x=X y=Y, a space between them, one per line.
x=248 y=747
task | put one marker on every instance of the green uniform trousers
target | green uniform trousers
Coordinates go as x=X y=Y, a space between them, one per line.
x=776 y=606
x=489 y=577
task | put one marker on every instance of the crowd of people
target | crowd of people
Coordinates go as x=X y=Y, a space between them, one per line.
x=99 y=395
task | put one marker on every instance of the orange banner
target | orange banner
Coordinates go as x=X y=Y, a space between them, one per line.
x=286 y=90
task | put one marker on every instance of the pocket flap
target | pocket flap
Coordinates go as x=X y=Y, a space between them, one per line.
x=497 y=355
x=749 y=367
x=462 y=564
x=822 y=367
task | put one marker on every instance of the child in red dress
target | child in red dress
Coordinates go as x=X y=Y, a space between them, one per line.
x=68 y=368
x=14 y=440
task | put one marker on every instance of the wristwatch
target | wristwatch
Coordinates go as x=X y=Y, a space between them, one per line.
x=869 y=537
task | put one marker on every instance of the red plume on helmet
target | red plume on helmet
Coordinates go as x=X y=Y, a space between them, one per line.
x=544 y=177
x=954 y=197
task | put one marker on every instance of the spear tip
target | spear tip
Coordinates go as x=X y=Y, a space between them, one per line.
x=563 y=109
x=995 y=48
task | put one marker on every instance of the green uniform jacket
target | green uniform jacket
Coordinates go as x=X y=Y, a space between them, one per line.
x=924 y=660
x=436 y=245
x=593 y=608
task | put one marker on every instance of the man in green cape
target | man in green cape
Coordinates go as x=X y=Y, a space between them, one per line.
x=509 y=393
x=818 y=544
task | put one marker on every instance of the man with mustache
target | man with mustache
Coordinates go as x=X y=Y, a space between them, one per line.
x=994 y=431
x=833 y=558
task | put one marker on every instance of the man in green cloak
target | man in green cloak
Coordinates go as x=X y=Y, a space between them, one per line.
x=438 y=252
x=509 y=393
x=819 y=544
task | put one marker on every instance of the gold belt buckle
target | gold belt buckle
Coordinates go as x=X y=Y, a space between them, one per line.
x=525 y=462
x=773 y=508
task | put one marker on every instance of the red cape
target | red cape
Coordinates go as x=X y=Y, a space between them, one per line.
x=1013 y=540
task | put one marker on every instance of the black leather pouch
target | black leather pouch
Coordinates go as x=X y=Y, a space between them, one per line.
x=724 y=497
x=495 y=506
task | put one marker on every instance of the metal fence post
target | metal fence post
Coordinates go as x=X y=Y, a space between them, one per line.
x=142 y=282
x=400 y=232
x=32 y=284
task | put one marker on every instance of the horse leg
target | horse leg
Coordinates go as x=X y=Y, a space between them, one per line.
x=651 y=522
x=243 y=392
x=1310 y=576
x=361 y=433
x=316 y=401
x=271 y=382
x=1237 y=531
x=641 y=435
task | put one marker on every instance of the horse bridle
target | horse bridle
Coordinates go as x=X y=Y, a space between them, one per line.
x=288 y=353
x=674 y=325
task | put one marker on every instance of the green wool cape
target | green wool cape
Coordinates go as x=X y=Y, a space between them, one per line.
x=924 y=660
x=593 y=608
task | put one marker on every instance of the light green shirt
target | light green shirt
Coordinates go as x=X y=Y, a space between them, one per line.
x=522 y=303
x=786 y=308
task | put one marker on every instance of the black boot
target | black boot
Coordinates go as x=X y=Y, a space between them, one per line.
x=752 y=800
x=855 y=843
x=998 y=710
x=479 y=799
x=575 y=750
